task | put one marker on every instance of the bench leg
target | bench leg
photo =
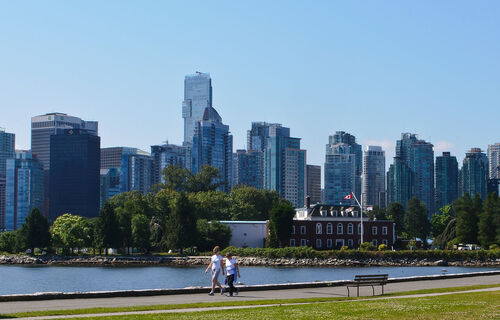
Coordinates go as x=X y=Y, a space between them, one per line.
x=348 y=291
x=382 y=289
x=358 y=291
x=373 y=290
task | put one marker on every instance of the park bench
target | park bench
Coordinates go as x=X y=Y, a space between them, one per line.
x=368 y=280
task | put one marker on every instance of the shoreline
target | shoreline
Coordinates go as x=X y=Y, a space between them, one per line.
x=54 y=260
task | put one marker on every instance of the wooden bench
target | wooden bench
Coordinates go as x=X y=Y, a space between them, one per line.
x=368 y=280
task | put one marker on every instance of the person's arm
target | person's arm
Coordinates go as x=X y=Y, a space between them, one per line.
x=237 y=269
x=223 y=266
x=209 y=266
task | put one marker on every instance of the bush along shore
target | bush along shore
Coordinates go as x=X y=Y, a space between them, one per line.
x=281 y=257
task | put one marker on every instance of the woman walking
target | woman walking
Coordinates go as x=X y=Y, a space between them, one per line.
x=232 y=270
x=216 y=265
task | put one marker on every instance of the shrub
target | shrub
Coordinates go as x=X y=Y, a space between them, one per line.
x=494 y=246
x=367 y=246
x=382 y=247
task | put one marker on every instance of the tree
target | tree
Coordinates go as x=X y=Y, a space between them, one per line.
x=211 y=205
x=248 y=203
x=175 y=178
x=448 y=235
x=9 y=242
x=280 y=225
x=35 y=231
x=376 y=213
x=212 y=233
x=204 y=180
x=181 y=225
x=396 y=212
x=467 y=219
x=67 y=232
x=141 y=232
x=439 y=221
x=416 y=222
x=487 y=226
x=109 y=229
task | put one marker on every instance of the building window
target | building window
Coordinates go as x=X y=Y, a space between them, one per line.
x=350 y=243
x=384 y=230
x=339 y=243
x=340 y=228
x=293 y=229
x=303 y=242
x=302 y=229
x=292 y=242
x=329 y=243
x=318 y=243
x=374 y=230
x=323 y=213
x=319 y=228
x=334 y=213
x=350 y=228
x=329 y=228
x=355 y=214
x=374 y=242
x=384 y=241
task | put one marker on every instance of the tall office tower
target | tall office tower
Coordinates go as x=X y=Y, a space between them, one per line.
x=474 y=174
x=419 y=157
x=75 y=159
x=213 y=145
x=133 y=165
x=343 y=167
x=261 y=131
x=7 y=151
x=399 y=182
x=110 y=185
x=313 y=176
x=164 y=156
x=446 y=180
x=24 y=189
x=285 y=168
x=373 y=178
x=494 y=160
x=247 y=168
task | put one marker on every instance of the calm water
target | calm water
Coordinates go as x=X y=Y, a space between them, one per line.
x=31 y=279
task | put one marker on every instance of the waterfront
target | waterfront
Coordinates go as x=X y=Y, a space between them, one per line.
x=32 y=279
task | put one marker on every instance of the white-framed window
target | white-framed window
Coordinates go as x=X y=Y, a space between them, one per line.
x=293 y=229
x=318 y=243
x=329 y=243
x=292 y=242
x=350 y=228
x=302 y=229
x=384 y=231
x=323 y=213
x=303 y=242
x=359 y=228
x=329 y=228
x=374 y=230
x=355 y=214
x=374 y=242
x=339 y=243
x=340 y=228
x=350 y=243
x=319 y=228
x=335 y=213
x=384 y=241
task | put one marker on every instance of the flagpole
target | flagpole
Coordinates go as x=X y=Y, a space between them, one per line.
x=361 y=210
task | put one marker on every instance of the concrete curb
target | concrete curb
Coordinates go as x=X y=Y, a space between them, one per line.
x=194 y=290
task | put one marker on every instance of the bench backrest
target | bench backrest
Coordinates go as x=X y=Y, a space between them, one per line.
x=371 y=278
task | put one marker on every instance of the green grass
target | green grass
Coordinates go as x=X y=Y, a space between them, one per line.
x=232 y=303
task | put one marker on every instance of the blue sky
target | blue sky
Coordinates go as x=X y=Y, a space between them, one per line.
x=372 y=68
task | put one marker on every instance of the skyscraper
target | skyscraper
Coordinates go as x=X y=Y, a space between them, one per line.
x=313 y=175
x=261 y=131
x=399 y=182
x=373 y=178
x=24 y=189
x=285 y=168
x=213 y=145
x=446 y=180
x=7 y=151
x=74 y=173
x=247 y=168
x=343 y=167
x=474 y=174
x=494 y=160
x=197 y=97
x=164 y=156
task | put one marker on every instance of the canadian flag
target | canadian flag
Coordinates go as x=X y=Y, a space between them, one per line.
x=349 y=196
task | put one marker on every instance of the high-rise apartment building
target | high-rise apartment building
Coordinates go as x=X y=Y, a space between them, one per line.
x=285 y=168
x=494 y=160
x=343 y=167
x=197 y=97
x=474 y=174
x=446 y=180
x=248 y=168
x=313 y=189
x=261 y=131
x=399 y=182
x=24 y=189
x=110 y=185
x=164 y=156
x=7 y=151
x=213 y=145
x=3 y=183
x=373 y=178
x=75 y=159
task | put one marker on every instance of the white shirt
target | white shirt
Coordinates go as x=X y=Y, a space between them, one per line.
x=216 y=261
x=230 y=266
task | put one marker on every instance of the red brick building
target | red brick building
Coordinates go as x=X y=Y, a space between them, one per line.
x=326 y=227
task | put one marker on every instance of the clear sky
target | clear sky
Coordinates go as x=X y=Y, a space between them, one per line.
x=372 y=68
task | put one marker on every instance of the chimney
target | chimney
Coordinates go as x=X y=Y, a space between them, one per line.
x=308 y=202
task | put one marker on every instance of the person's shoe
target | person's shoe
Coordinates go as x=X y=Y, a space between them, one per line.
x=229 y=295
x=221 y=290
x=237 y=291
x=211 y=294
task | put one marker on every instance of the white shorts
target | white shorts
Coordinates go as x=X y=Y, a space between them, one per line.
x=215 y=274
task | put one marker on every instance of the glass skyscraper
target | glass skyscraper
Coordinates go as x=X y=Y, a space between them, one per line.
x=373 y=178
x=24 y=189
x=399 y=182
x=446 y=180
x=314 y=183
x=247 y=168
x=7 y=151
x=261 y=131
x=213 y=145
x=474 y=174
x=197 y=97
x=164 y=156
x=494 y=160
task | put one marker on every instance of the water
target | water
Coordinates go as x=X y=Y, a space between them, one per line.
x=31 y=279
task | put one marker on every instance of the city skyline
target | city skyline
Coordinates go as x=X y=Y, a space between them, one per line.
x=420 y=70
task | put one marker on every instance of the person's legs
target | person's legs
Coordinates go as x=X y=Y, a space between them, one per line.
x=230 y=281
x=215 y=276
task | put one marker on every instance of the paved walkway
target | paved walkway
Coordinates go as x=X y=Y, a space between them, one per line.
x=23 y=306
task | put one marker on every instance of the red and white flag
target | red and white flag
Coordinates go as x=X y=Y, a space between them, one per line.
x=369 y=208
x=349 y=196
x=349 y=209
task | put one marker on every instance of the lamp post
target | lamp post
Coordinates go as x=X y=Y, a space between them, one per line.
x=361 y=210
